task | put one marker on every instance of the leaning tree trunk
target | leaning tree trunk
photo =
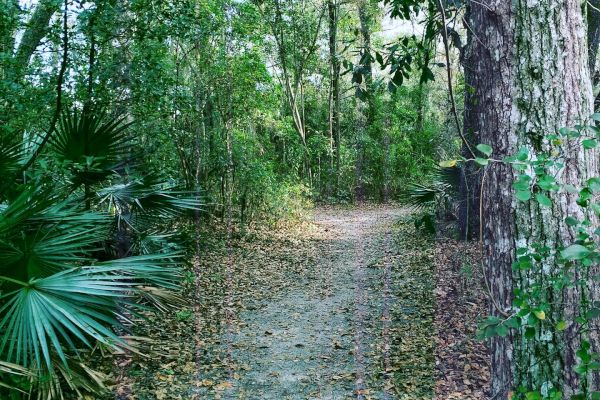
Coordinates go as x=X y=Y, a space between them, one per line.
x=533 y=80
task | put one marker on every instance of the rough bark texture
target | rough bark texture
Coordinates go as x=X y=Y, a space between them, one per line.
x=536 y=80
x=493 y=68
x=470 y=182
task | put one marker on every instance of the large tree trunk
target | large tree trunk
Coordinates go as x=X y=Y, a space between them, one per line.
x=494 y=71
x=533 y=80
x=470 y=182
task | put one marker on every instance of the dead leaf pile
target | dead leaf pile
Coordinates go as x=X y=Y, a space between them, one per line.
x=462 y=362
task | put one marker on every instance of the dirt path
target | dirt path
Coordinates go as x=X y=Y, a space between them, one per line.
x=327 y=336
x=339 y=308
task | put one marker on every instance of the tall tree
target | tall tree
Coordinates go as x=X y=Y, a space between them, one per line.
x=366 y=96
x=333 y=9
x=295 y=27
x=365 y=91
x=470 y=182
x=523 y=97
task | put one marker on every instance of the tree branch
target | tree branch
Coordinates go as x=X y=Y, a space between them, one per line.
x=449 y=74
x=36 y=31
x=59 y=83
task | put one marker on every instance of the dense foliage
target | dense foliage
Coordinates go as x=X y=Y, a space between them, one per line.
x=117 y=117
x=122 y=122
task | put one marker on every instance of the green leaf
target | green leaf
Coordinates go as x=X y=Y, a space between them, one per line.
x=561 y=325
x=481 y=161
x=594 y=184
x=529 y=333
x=575 y=252
x=589 y=144
x=592 y=314
x=570 y=221
x=533 y=396
x=595 y=116
x=547 y=182
x=485 y=149
x=523 y=195
x=502 y=330
x=523 y=154
x=543 y=200
x=427 y=75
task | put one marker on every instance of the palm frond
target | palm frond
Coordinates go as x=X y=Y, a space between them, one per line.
x=443 y=186
x=45 y=316
x=142 y=204
x=77 y=378
x=91 y=144
x=11 y=158
x=37 y=240
x=419 y=196
x=29 y=202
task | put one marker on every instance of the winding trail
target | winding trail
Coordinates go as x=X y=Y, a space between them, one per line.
x=327 y=335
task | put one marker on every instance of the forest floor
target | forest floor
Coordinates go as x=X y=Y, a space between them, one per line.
x=341 y=307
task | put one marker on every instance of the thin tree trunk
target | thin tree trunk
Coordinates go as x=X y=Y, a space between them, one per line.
x=533 y=80
x=365 y=113
x=385 y=188
x=334 y=97
x=593 y=31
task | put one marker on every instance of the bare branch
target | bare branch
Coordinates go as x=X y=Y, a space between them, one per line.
x=449 y=74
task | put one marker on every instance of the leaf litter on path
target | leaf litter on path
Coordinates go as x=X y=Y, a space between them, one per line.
x=337 y=308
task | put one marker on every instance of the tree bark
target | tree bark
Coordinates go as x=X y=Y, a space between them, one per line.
x=38 y=27
x=593 y=30
x=533 y=79
x=366 y=113
x=470 y=182
x=334 y=99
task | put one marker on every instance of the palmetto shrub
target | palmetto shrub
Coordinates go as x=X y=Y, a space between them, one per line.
x=435 y=199
x=66 y=278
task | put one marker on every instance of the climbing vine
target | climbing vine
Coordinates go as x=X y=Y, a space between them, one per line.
x=541 y=323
